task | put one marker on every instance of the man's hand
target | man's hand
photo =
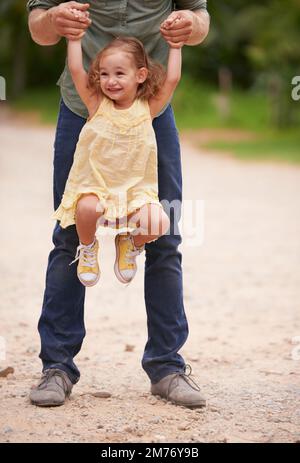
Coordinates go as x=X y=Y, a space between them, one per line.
x=177 y=28
x=67 y=23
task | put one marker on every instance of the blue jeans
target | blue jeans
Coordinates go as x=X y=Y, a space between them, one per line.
x=61 y=325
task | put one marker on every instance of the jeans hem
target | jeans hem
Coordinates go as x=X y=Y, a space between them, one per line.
x=74 y=379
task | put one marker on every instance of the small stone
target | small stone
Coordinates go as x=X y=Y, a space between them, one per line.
x=4 y=373
x=100 y=426
x=7 y=429
x=152 y=401
x=159 y=438
x=101 y=394
x=129 y=348
x=212 y=408
x=195 y=417
x=128 y=429
x=184 y=426
x=31 y=350
x=155 y=420
x=271 y=372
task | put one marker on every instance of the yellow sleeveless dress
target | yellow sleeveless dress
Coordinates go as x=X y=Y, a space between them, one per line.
x=116 y=159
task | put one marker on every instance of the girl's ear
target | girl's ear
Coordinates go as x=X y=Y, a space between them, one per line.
x=142 y=75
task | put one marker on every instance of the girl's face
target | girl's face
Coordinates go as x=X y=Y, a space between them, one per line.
x=119 y=77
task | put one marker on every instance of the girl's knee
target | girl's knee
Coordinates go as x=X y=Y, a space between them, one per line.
x=157 y=221
x=87 y=205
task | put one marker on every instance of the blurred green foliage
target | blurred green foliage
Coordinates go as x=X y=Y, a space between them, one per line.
x=247 y=62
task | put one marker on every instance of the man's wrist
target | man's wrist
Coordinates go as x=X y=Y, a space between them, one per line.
x=200 y=26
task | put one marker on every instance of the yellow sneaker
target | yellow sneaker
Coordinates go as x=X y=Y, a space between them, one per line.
x=88 y=270
x=125 y=265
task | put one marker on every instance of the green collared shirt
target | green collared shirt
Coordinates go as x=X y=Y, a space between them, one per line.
x=112 y=18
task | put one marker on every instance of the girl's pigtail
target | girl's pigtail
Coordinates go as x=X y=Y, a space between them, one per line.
x=155 y=79
x=94 y=77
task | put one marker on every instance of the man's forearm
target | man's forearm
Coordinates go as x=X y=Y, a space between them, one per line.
x=200 y=28
x=41 y=27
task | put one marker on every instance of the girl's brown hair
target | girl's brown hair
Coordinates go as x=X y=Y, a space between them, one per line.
x=156 y=72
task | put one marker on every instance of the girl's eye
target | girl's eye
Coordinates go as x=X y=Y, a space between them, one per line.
x=103 y=74
x=120 y=73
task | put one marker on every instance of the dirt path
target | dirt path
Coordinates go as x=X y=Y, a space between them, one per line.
x=242 y=292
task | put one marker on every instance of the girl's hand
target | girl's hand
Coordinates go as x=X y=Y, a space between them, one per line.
x=80 y=16
x=177 y=28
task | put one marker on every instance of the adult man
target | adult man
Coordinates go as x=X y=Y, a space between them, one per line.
x=61 y=324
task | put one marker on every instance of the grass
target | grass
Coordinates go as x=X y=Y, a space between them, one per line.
x=196 y=107
x=42 y=101
x=272 y=146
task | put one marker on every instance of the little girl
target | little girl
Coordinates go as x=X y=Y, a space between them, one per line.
x=113 y=179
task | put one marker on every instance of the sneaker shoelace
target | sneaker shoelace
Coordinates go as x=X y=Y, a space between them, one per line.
x=133 y=252
x=187 y=378
x=88 y=256
x=130 y=255
x=50 y=374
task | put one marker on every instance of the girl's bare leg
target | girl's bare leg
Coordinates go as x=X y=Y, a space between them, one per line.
x=86 y=217
x=154 y=223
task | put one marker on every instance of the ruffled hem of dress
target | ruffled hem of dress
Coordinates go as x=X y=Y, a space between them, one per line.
x=113 y=216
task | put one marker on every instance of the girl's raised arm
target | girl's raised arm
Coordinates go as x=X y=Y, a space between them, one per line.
x=80 y=76
x=157 y=102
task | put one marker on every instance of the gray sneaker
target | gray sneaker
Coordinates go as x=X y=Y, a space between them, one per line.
x=52 y=390
x=180 y=389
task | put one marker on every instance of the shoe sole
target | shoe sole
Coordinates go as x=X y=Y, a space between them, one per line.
x=47 y=404
x=50 y=404
x=198 y=405
x=116 y=267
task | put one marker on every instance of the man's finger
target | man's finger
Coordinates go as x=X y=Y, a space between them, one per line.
x=172 y=16
x=181 y=24
x=182 y=38
x=73 y=24
x=67 y=14
x=74 y=37
x=175 y=33
x=170 y=21
x=79 y=6
x=71 y=31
